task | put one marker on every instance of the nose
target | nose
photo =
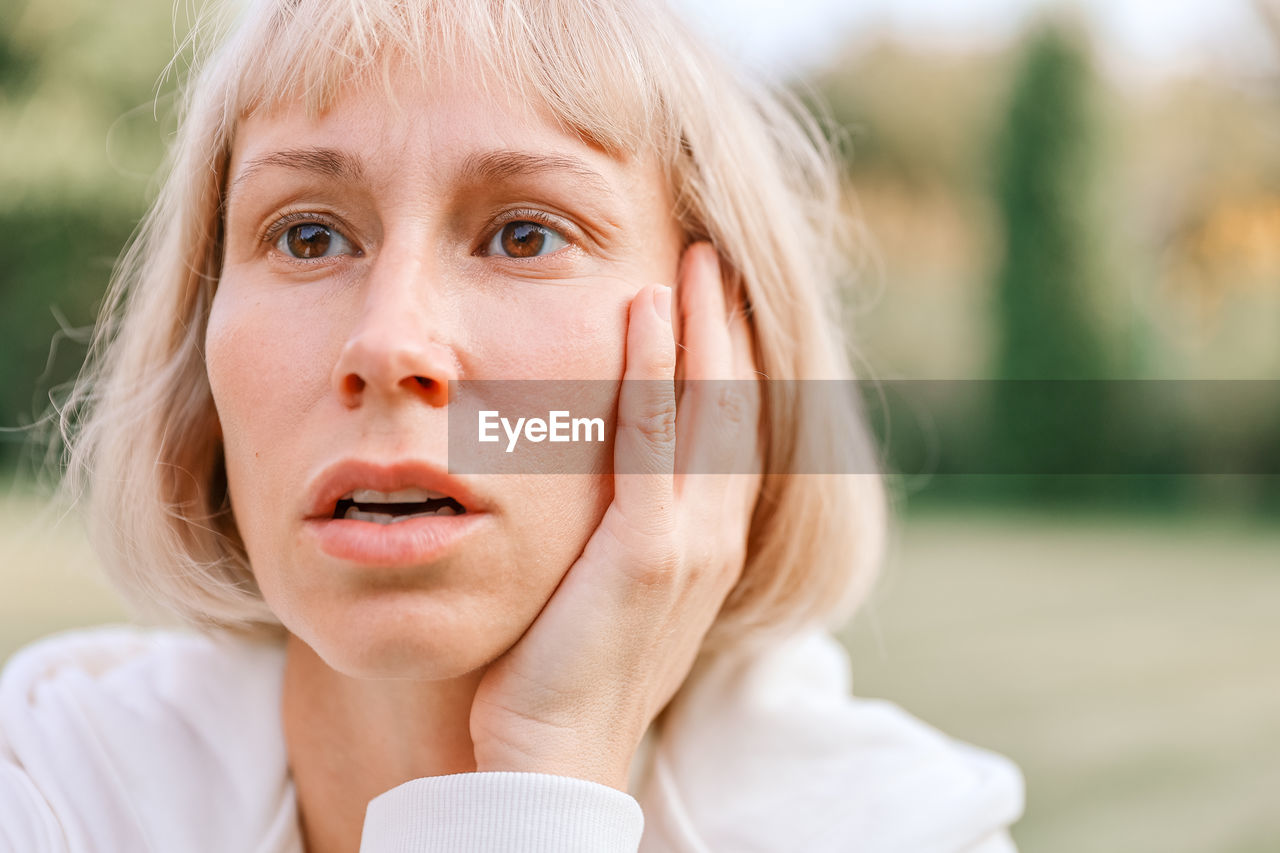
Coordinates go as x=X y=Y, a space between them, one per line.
x=394 y=351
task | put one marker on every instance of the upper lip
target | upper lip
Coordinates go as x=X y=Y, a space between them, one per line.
x=340 y=478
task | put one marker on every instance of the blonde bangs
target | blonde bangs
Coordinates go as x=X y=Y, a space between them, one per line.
x=551 y=55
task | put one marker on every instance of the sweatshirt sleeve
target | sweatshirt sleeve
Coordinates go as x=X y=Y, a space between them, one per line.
x=516 y=812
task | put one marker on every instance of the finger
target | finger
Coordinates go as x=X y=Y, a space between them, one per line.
x=748 y=454
x=704 y=318
x=747 y=462
x=707 y=353
x=719 y=404
x=737 y=455
x=645 y=445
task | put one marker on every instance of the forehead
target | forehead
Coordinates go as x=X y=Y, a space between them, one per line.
x=405 y=126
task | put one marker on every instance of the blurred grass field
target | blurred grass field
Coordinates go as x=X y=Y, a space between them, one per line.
x=49 y=579
x=1131 y=667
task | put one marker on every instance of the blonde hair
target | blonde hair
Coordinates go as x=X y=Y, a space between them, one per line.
x=749 y=169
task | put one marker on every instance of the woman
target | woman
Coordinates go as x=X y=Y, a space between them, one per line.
x=371 y=205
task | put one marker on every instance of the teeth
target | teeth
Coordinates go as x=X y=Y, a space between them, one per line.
x=386 y=518
x=403 y=496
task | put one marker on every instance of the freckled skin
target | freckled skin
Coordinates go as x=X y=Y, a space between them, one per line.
x=420 y=298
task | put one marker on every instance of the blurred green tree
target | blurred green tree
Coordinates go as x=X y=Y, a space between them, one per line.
x=1047 y=157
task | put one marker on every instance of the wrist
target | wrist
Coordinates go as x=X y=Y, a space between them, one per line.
x=591 y=768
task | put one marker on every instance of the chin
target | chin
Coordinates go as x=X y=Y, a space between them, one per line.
x=425 y=642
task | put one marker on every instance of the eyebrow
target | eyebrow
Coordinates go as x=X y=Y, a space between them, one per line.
x=481 y=167
x=501 y=165
x=329 y=162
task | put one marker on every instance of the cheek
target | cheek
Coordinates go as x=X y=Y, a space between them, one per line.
x=556 y=516
x=258 y=374
x=571 y=332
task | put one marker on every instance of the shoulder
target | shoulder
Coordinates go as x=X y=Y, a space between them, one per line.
x=108 y=719
x=772 y=752
x=112 y=656
x=123 y=679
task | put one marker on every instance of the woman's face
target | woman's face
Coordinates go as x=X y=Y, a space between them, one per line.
x=373 y=254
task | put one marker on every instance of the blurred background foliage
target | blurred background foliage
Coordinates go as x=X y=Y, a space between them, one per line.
x=1031 y=216
x=1173 y=186
x=83 y=124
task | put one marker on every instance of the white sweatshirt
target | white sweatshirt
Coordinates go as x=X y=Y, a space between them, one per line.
x=125 y=740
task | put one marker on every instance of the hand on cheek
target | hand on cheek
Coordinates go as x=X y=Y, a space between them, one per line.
x=575 y=694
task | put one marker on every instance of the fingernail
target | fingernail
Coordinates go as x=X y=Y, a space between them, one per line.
x=662 y=303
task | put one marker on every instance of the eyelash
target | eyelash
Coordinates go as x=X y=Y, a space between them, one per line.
x=554 y=223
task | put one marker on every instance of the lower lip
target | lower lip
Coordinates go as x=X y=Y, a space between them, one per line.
x=404 y=543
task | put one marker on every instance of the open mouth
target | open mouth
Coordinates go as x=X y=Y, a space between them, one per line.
x=393 y=507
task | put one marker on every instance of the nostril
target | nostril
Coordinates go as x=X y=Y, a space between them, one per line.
x=432 y=390
x=352 y=384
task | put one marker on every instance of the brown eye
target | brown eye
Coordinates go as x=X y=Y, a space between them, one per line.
x=312 y=240
x=525 y=240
